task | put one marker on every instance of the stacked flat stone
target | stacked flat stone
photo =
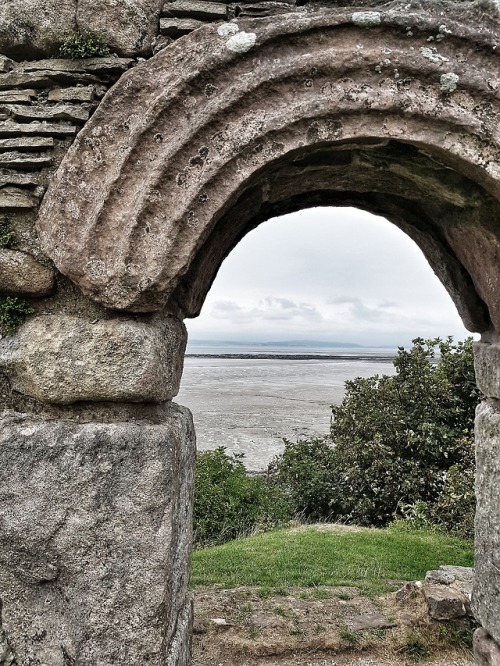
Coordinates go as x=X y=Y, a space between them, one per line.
x=43 y=104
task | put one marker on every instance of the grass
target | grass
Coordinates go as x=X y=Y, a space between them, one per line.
x=313 y=556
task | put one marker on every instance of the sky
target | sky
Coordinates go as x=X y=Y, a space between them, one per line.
x=328 y=274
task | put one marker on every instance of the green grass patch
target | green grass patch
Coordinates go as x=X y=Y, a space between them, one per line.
x=311 y=557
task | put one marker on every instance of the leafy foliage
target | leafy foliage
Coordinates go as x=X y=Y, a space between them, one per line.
x=6 y=235
x=13 y=313
x=395 y=441
x=84 y=45
x=228 y=503
x=304 y=472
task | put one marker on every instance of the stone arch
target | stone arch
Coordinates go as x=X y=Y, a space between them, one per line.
x=394 y=110
x=386 y=110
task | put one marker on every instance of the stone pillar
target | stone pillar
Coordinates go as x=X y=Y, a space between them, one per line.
x=96 y=496
x=486 y=593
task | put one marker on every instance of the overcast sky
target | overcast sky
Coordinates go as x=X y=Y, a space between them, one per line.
x=331 y=274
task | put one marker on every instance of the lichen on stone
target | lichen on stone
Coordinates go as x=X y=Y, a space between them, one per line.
x=366 y=19
x=241 y=42
x=448 y=82
x=227 y=29
x=432 y=55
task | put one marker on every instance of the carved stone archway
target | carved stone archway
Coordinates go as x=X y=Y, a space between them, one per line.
x=395 y=111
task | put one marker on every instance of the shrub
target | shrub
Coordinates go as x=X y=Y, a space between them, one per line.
x=304 y=472
x=13 y=313
x=84 y=45
x=397 y=436
x=228 y=503
x=398 y=444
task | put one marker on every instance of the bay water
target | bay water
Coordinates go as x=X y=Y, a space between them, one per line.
x=248 y=399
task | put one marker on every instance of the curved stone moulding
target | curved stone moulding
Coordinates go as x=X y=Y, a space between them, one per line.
x=155 y=184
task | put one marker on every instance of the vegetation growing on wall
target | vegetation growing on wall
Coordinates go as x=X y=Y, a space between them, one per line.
x=13 y=312
x=84 y=45
x=6 y=235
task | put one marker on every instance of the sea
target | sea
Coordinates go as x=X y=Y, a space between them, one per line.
x=249 y=397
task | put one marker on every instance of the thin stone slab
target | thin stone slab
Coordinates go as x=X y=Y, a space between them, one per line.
x=486 y=589
x=196 y=9
x=28 y=143
x=17 y=96
x=44 y=79
x=62 y=359
x=95 y=540
x=95 y=65
x=13 y=197
x=23 y=161
x=16 y=178
x=10 y=128
x=59 y=112
x=72 y=94
x=176 y=27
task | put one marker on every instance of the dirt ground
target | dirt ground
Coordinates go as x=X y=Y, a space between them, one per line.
x=326 y=626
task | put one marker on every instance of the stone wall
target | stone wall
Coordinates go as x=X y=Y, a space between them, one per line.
x=155 y=168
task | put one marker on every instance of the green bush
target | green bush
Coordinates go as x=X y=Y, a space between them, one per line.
x=395 y=442
x=84 y=45
x=228 y=503
x=13 y=312
x=304 y=472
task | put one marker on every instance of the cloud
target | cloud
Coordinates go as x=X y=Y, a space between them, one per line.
x=269 y=308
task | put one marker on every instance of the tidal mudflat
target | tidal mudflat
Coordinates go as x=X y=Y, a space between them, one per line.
x=249 y=404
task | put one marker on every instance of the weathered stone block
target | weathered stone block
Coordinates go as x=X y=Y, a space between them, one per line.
x=176 y=27
x=487 y=367
x=60 y=112
x=486 y=590
x=63 y=359
x=196 y=9
x=486 y=650
x=13 y=197
x=95 y=539
x=45 y=129
x=21 y=274
x=444 y=603
x=28 y=143
x=72 y=94
x=128 y=26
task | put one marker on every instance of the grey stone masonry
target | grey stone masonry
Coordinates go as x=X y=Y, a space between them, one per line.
x=486 y=590
x=95 y=540
x=486 y=650
x=61 y=359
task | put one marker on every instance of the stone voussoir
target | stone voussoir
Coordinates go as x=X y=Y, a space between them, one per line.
x=63 y=359
x=22 y=275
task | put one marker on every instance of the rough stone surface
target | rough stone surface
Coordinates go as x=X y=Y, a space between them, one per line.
x=21 y=275
x=486 y=651
x=95 y=539
x=486 y=590
x=128 y=26
x=487 y=367
x=73 y=94
x=29 y=28
x=444 y=603
x=63 y=359
x=275 y=115
x=439 y=578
